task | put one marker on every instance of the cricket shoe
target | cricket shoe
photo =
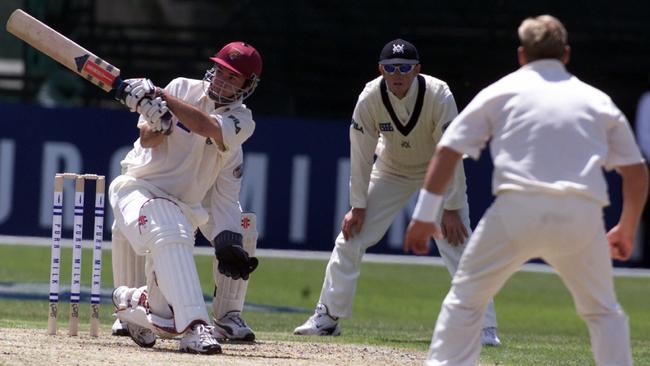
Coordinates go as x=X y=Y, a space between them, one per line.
x=118 y=329
x=233 y=327
x=200 y=340
x=320 y=324
x=489 y=337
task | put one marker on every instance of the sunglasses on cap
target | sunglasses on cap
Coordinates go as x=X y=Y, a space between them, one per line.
x=403 y=68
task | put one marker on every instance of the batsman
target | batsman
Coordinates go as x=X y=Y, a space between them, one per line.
x=184 y=173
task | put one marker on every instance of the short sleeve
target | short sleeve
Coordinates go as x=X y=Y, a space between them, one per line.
x=363 y=142
x=622 y=148
x=470 y=131
x=446 y=111
x=236 y=128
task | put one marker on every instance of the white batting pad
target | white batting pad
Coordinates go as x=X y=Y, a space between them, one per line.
x=169 y=237
x=128 y=268
x=249 y=232
x=230 y=294
x=161 y=221
x=178 y=281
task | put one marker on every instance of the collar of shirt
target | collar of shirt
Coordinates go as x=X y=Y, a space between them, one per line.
x=544 y=64
x=403 y=107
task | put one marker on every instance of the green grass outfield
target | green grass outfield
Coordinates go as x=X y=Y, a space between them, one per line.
x=396 y=305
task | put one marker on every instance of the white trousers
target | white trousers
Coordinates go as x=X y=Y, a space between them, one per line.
x=128 y=267
x=171 y=276
x=387 y=195
x=568 y=233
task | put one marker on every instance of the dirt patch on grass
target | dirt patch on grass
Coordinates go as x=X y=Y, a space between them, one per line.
x=35 y=347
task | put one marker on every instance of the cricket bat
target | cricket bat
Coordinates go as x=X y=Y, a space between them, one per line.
x=63 y=50
x=69 y=54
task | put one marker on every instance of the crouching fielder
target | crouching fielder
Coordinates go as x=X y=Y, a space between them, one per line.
x=399 y=117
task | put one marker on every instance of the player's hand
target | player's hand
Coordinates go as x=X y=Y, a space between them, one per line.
x=133 y=91
x=620 y=243
x=417 y=236
x=452 y=227
x=353 y=222
x=155 y=112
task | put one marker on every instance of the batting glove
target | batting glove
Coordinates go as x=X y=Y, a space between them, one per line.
x=155 y=112
x=233 y=260
x=132 y=92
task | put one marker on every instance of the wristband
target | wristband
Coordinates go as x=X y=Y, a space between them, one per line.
x=427 y=207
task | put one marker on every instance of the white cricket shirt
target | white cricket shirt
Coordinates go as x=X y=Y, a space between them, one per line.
x=403 y=148
x=550 y=132
x=186 y=165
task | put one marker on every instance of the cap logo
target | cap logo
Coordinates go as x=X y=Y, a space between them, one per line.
x=398 y=48
x=234 y=54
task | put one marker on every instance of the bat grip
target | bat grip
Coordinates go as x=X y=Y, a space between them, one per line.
x=166 y=120
x=119 y=85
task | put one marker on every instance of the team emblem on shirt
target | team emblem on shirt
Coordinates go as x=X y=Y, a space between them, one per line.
x=386 y=127
x=356 y=126
x=238 y=171
x=406 y=144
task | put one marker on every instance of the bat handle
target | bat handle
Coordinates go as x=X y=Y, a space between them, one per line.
x=166 y=120
x=119 y=85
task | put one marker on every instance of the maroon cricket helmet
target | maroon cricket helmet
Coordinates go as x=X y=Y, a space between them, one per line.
x=240 y=58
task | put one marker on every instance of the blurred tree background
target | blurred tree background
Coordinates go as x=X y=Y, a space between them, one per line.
x=318 y=55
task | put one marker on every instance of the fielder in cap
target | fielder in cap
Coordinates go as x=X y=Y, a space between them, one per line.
x=184 y=173
x=400 y=116
x=551 y=136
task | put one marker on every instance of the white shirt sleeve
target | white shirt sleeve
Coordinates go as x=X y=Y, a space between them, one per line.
x=222 y=200
x=456 y=193
x=470 y=131
x=446 y=111
x=236 y=128
x=363 y=142
x=622 y=148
